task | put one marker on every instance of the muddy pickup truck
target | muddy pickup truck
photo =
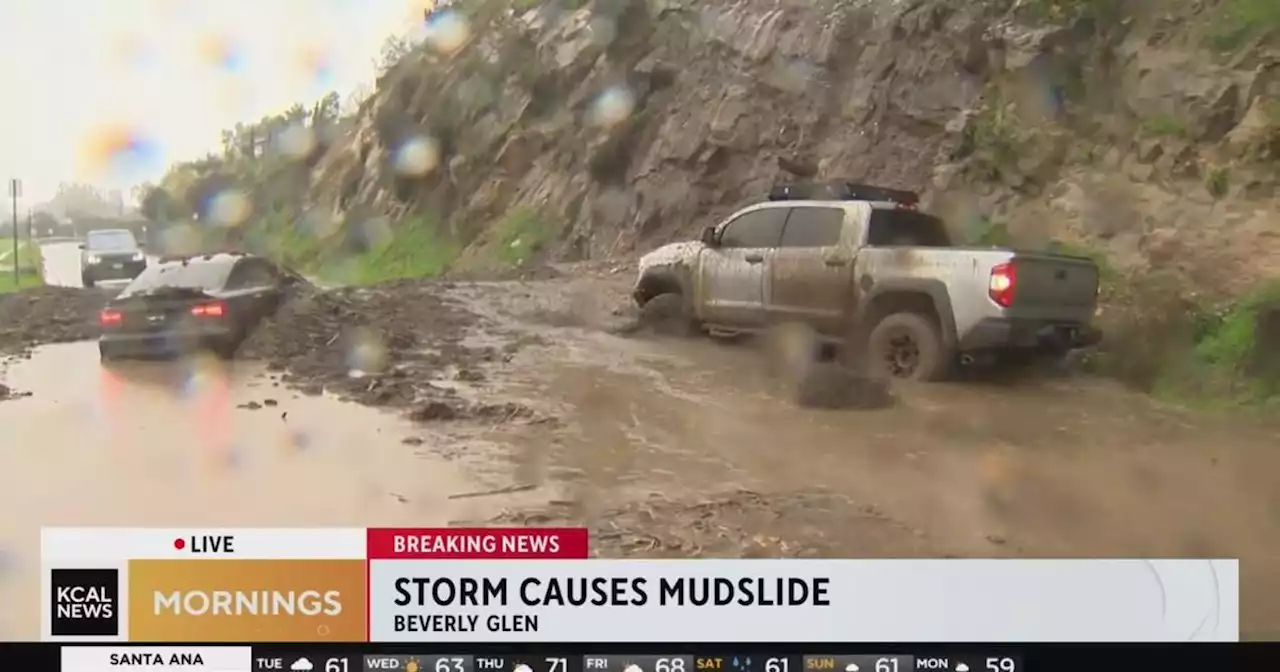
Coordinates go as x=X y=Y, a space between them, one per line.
x=872 y=274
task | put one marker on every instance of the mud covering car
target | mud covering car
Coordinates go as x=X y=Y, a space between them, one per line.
x=186 y=304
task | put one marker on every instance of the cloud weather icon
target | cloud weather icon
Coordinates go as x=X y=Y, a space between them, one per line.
x=961 y=667
x=523 y=668
x=302 y=665
x=851 y=667
x=633 y=668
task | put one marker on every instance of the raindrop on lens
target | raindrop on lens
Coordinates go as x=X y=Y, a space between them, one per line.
x=416 y=156
x=612 y=107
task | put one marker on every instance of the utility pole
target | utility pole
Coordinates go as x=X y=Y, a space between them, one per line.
x=15 y=190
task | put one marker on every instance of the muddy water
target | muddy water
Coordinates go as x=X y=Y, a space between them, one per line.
x=146 y=444
x=1048 y=468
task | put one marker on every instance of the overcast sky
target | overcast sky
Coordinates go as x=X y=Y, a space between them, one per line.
x=81 y=75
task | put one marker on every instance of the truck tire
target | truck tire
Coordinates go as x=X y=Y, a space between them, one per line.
x=907 y=346
x=667 y=315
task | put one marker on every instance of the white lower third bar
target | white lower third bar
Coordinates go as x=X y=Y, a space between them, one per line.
x=157 y=658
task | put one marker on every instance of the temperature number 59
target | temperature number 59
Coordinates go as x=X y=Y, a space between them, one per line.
x=1001 y=665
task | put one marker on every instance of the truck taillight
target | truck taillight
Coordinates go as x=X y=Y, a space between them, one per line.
x=1004 y=279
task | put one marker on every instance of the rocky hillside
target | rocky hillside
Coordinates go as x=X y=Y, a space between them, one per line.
x=1144 y=134
x=1148 y=135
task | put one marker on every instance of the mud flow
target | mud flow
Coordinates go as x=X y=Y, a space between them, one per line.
x=533 y=403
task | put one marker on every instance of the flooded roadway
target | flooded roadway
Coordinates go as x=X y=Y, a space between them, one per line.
x=651 y=435
x=165 y=443
x=1048 y=468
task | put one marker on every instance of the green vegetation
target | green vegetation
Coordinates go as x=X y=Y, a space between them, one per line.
x=990 y=233
x=415 y=250
x=991 y=139
x=1239 y=21
x=520 y=235
x=29 y=265
x=1164 y=125
x=1181 y=350
x=1218 y=182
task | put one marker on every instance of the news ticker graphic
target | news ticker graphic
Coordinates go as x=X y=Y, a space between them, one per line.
x=251 y=659
x=658 y=657
x=536 y=585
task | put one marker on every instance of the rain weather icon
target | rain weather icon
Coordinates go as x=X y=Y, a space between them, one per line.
x=521 y=667
x=851 y=667
x=302 y=665
x=961 y=667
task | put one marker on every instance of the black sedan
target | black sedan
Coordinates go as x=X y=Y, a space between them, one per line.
x=181 y=305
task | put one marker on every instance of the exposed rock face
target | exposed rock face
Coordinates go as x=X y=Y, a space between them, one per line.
x=628 y=123
x=630 y=120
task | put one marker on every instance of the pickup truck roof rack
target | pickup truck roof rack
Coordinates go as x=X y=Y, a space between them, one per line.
x=842 y=191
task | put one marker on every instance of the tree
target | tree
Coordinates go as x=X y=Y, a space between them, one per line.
x=327 y=109
x=78 y=198
x=158 y=205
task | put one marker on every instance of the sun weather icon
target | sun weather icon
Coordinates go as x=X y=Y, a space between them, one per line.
x=412 y=665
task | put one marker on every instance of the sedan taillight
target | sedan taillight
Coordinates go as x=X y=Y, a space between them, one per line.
x=209 y=309
x=110 y=318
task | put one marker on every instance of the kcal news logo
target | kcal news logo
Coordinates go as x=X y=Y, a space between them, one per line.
x=86 y=602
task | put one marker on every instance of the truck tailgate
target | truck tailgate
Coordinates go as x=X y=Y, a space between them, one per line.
x=1050 y=286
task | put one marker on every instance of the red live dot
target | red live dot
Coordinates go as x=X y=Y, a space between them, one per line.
x=179 y=544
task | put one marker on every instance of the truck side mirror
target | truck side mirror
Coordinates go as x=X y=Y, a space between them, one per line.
x=709 y=237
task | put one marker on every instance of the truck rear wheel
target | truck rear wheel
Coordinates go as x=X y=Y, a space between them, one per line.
x=907 y=346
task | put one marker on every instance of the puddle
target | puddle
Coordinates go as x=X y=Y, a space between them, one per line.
x=165 y=444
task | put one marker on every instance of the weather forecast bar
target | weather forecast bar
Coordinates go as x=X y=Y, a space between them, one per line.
x=624 y=657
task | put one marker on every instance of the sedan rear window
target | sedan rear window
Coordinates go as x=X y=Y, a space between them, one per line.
x=204 y=275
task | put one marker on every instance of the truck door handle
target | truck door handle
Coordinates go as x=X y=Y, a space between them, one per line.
x=837 y=262
x=754 y=258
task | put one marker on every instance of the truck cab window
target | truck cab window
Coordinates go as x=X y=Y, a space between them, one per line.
x=906 y=227
x=813 y=227
x=758 y=228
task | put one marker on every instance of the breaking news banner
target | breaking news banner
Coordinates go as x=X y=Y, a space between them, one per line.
x=537 y=585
